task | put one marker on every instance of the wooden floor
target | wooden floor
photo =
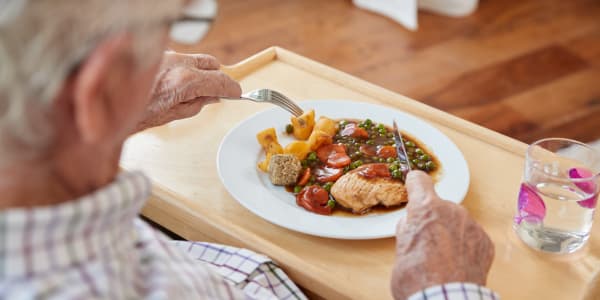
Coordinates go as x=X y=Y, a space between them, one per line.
x=527 y=68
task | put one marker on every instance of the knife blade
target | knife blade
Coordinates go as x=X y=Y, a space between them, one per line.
x=400 y=149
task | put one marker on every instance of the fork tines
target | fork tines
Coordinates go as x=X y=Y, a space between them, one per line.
x=286 y=103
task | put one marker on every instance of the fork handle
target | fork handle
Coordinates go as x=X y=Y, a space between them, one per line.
x=237 y=98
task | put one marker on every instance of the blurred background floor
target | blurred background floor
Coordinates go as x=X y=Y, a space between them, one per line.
x=527 y=68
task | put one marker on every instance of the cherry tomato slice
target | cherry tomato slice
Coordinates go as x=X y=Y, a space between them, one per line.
x=354 y=131
x=314 y=198
x=334 y=155
x=338 y=160
x=386 y=151
x=304 y=178
x=368 y=150
x=374 y=170
x=326 y=174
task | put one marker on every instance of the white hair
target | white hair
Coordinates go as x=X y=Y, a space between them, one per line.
x=41 y=42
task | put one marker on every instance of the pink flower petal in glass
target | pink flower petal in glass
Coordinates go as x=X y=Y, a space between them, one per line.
x=531 y=206
x=587 y=186
x=589 y=202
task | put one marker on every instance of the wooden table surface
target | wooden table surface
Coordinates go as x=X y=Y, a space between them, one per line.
x=189 y=199
x=527 y=68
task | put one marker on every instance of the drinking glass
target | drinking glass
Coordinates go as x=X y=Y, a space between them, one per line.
x=558 y=195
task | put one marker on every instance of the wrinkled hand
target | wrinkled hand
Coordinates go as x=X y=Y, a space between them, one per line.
x=437 y=242
x=184 y=84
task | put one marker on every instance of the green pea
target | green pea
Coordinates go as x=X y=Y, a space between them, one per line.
x=312 y=156
x=356 y=164
x=343 y=123
x=327 y=186
x=393 y=167
x=331 y=203
x=370 y=142
x=390 y=159
x=430 y=166
x=414 y=161
x=297 y=189
x=419 y=151
x=397 y=174
x=424 y=157
x=368 y=122
x=289 y=129
x=421 y=165
x=409 y=144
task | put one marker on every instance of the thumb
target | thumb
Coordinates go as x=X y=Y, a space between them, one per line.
x=420 y=190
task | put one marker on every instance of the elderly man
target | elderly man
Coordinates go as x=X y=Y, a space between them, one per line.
x=76 y=79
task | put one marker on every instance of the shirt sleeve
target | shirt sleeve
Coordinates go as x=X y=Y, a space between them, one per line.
x=455 y=291
x=257 y=275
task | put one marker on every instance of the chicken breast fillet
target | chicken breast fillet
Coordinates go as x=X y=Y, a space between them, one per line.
x=360 y=193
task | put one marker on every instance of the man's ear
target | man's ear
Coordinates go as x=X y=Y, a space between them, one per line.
x=91 y=103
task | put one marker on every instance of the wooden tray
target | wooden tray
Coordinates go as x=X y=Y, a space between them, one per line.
x=189 y=199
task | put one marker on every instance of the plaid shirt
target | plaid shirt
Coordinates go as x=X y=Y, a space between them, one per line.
x=455 y=291
x=97 y=247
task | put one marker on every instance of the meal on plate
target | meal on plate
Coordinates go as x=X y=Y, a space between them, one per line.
x=341 y=165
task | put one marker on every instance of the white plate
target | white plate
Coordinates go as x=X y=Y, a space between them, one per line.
x=239 y=153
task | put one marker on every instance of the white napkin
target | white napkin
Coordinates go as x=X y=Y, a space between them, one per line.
x=401 y=11
x=405 y=11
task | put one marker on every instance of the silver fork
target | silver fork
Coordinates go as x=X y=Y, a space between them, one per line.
x=273 y=97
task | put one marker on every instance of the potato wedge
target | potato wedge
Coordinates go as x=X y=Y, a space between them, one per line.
x=326 y=125
x=303 y=125
x=268 y=140
x=300 y=149
x=264 y=165
x=318 y=138
x=266 y=137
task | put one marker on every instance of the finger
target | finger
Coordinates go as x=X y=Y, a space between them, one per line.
x=199 y=61
x=187 y=110
x=203 y=83
x=204 y=100
x=420 y=190
x=401 y=225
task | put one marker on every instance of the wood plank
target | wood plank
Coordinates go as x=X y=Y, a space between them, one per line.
x=554 y=100
x=498 y=117
x=587 y=47
x=507 y=78
x=420 y=74
x=543 y=109
x=579 y=125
